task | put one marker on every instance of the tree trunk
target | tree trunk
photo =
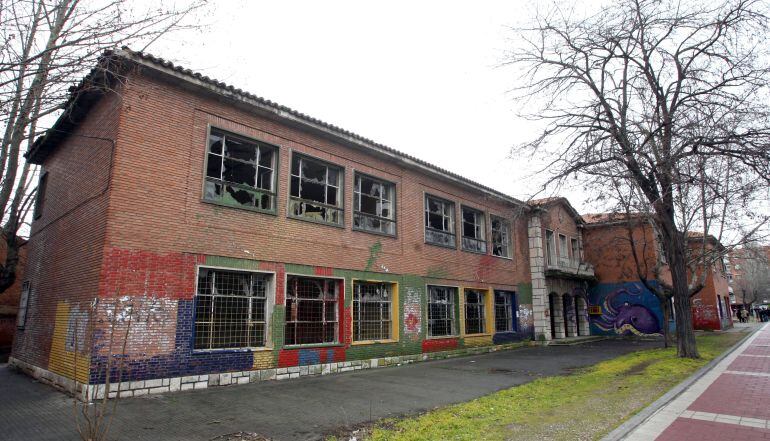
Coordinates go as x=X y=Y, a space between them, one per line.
x=666 y=307
x=685 y=344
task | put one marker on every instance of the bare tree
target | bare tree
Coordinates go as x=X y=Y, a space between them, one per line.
x=660 y=95
x=46 y=46
x=752 y=278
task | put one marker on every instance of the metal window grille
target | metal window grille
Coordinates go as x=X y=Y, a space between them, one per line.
x=316 y=191
x=501 y=243
x=230 y=309
x=372 y=311
x=441 y=310
x=474 y=231
x=474 y=311
x=373 y=205
x=503 y=312
x=439 y=222
x=240 y=171
x=311 y=311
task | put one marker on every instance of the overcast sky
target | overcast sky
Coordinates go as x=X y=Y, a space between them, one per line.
x=420 y=77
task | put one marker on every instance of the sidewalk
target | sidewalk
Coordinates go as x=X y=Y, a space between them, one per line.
x=730 y=402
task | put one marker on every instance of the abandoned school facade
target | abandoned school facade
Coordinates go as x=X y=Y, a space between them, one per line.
x=212 y=237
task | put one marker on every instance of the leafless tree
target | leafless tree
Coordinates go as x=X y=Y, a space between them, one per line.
x=659 y=95
x=46 y=46
x=752 y=274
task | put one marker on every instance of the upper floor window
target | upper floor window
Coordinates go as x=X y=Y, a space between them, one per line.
x=40 y=198
x=240 y=172
x=575 y=249
x=21 y=315
x=316 y=190
x=474 y=231
x=550 y=248
x=439 y=221
x=231 y=309
x=501 y=237
x=374 y=205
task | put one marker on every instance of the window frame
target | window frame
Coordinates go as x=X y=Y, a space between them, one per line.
x=42 y=186
x=551 y=258
x=482 y=307
x=276 y=169
x=511 y=306
x=482 y=229
x=574 y=243
x=455 y=313
x=453 y=221
x=24 y=295
x=270 y=292
x=357 y=174
x=394 y=312
x=509 y=245
x=340 y=196
x=341 y=288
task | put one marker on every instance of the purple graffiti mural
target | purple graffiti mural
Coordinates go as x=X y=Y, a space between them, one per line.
x=624 y=313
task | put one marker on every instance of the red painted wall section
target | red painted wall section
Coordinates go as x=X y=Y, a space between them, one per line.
x=441 y=344
x=143 y=273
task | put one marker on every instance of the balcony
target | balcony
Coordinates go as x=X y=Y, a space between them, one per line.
x=569 y=267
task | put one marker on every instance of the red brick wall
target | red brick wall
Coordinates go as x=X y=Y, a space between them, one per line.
x=158 y=175
x=608 y=248
x=9 y=301
x=66 y=242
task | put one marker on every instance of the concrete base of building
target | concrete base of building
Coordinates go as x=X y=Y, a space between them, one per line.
x=127 y=389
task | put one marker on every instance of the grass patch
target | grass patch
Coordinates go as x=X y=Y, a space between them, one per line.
x=585 y=405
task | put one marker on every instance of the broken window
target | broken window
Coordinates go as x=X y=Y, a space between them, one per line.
x=503 y=311
x=474 y=311
x=439 y=222
x=240 y=172
x=563 y=256
x=372 y=311
x=501 y=237
x=575 y=245
x=40 y=198
x=441 y=311
x=311 y=310
x=21 y=314
x=231 y=309
x=474 y=231
x=550 y=248
x=373 y=205
x=316 y=191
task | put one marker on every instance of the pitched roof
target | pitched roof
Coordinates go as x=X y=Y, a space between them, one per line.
x=74 y=108
x=609 y=218
x=546 y=202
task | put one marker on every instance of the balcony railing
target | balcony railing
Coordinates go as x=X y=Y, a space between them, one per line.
x=570 y=265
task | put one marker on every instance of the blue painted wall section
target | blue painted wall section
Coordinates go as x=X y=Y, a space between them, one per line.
x=626 y=308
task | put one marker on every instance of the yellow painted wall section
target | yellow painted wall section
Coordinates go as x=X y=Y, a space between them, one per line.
x=264 y=360
x=61 y=360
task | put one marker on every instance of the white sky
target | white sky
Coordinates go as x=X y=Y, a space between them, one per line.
x=420 y=77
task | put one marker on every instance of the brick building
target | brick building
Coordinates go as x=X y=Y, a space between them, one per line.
x=233 y=240
x=10 y=299
x=622 y=303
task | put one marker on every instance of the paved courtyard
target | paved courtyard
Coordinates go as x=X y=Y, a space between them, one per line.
x=730 y=402
x=302 y=409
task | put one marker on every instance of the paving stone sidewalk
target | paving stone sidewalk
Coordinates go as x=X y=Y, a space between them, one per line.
x=731 y=402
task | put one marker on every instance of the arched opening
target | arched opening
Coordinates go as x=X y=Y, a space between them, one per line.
x=581 y=315
x=569 y=315
x=557 y=315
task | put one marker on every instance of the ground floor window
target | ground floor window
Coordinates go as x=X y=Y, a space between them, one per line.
x=474 y=311
x=442 y=316
x=311 y=311
x=503 y=311
x=372 y=311
x=230 y=309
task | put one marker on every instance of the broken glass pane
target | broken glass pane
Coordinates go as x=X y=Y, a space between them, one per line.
x=313 y=171
x=239 y=172
x=368 y=205
x=237 y=149
x=238 y=196
x=331 y=195
x=214 y=166
x=312 y=191
x=333 y=177
x=215 y=142
x=265 y=178
x=435 y=221
x=265 y=202
x=294 y=186
x=266 y=157
x=212 y=191
x=295 y=161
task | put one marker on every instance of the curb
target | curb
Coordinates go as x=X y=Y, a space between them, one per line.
x=624 y=429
